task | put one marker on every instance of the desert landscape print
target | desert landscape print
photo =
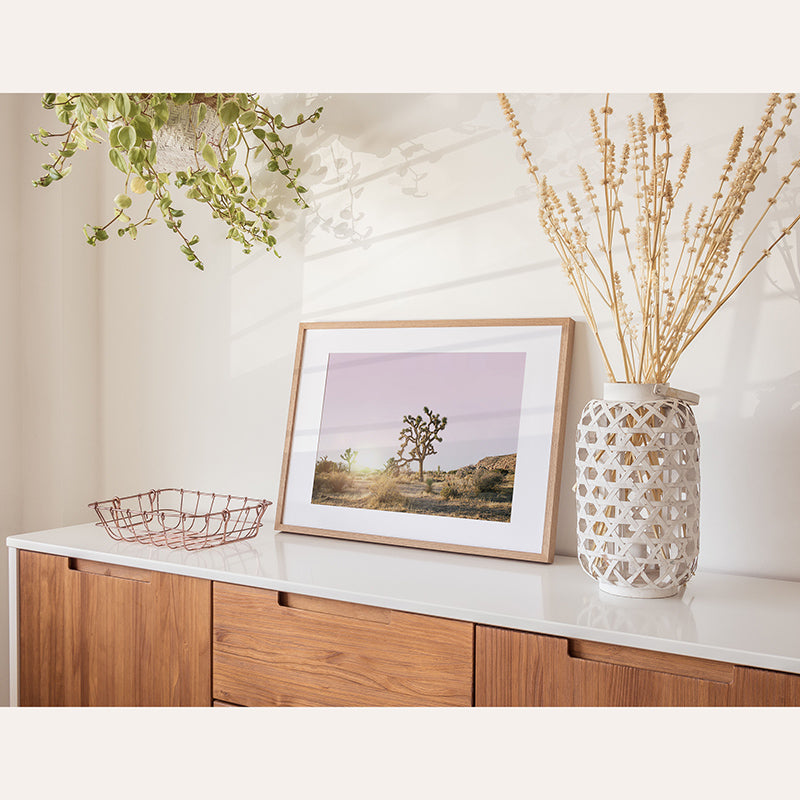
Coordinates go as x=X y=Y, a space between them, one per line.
x=421 y=433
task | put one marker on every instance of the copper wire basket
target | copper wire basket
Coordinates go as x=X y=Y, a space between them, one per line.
x=178 y=518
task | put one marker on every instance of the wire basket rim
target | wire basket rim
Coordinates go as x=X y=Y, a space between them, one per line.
x=129 y=523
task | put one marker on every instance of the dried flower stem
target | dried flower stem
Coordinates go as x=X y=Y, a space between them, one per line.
x=674 y=303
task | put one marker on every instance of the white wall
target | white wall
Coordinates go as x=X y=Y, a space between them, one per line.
x=137 y=371
x=10 y=439
x=49 y=344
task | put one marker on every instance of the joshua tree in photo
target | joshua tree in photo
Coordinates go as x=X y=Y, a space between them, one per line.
x=419 y=435
x=349 y=457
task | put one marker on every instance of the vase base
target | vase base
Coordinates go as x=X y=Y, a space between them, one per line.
x=644 y=593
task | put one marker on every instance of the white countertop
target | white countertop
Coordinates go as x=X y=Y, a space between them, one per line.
x=750 y=621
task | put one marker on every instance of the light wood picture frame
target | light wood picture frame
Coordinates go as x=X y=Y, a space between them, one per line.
x=436 y=434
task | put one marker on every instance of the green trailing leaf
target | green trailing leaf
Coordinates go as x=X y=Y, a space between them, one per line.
x=229 y=113
x=209 y=156
x=136 y=156
x=122 y=201
x=138 y=185
x=117 y=160
x=248 y=119
x=127 y=136
x=123 y=104
x=142 y=127
x=160 y=114
x=105 y=103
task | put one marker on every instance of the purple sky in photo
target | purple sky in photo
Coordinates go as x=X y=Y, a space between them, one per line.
x=367 y=395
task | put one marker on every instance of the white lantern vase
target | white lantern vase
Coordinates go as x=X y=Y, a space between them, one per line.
x=638 y=489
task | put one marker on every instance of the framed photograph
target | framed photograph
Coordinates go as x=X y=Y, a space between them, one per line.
x=445 y=435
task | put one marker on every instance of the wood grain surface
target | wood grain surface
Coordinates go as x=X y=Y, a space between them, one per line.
x=272 y=650
x=94 y=634
x=514 y=668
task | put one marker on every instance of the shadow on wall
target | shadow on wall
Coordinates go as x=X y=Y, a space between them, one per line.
x=384 y=145
x=788 y=251
x=362 y=139
x=751 y=444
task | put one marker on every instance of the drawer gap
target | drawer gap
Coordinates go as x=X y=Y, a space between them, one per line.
x=338 y=608
x=108 y=570
x=668 y=663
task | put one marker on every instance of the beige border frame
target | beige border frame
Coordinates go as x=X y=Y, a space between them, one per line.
x=567 y=326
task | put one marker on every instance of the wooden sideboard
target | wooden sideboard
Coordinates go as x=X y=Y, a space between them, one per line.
x=514 y=668
x=94 y=633
x=281 y=649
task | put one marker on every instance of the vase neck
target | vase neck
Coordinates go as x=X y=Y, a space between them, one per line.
x=633 y=392
x=644 y=392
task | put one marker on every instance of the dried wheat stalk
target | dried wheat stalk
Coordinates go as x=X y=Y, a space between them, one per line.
x=673 y=299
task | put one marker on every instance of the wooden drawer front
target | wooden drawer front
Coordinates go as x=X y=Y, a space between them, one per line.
x=93 y=634
x=273 y=649
x=513 y=668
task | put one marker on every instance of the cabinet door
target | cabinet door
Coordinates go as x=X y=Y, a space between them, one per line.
x=277 y=649
x=93 y=634
x=513 y=668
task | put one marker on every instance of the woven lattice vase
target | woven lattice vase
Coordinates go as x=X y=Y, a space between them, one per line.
x=638 y=489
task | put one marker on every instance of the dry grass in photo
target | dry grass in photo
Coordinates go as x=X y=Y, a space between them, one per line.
x=483 y=490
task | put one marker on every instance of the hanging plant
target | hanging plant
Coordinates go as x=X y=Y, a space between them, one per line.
x=213 y=146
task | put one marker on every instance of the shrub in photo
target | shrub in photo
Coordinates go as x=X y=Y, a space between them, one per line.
x=487 y=480
x=450 y=490
x=384 y=492
x=325 y=465
x=337 y=482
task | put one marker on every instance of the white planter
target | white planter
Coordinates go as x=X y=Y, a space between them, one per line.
x=638 y=489
x=176 y=140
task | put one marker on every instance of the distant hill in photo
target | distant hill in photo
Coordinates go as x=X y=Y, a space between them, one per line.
x=508 y=462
